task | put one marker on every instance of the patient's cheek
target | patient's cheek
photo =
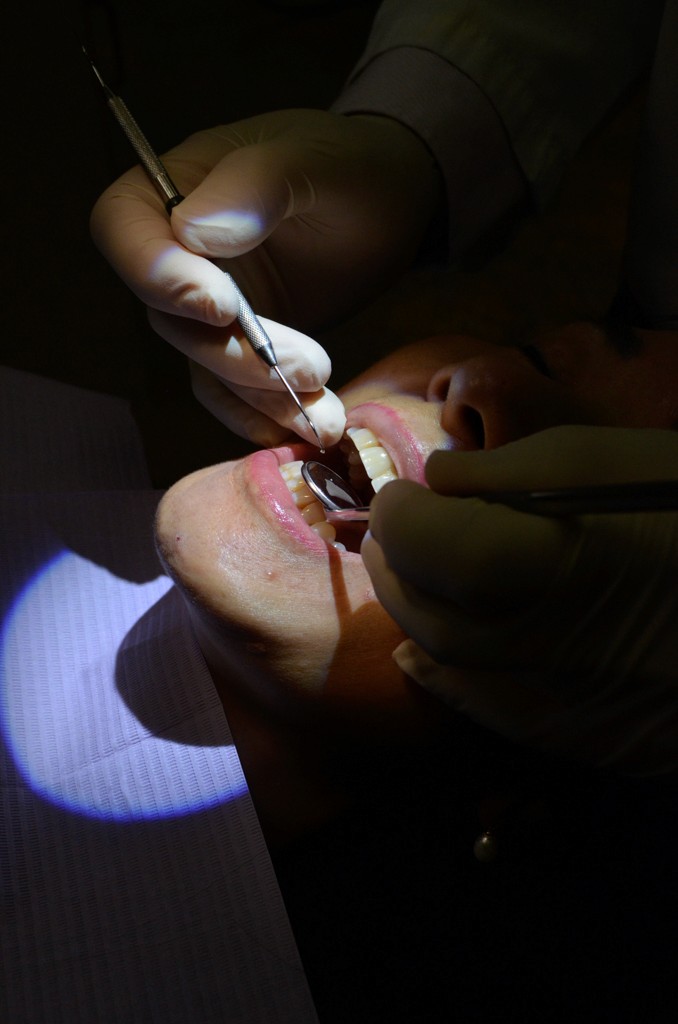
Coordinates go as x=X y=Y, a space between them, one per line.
x=302 y=638
x=639 y=389
x=367 y=692
x=337 y=673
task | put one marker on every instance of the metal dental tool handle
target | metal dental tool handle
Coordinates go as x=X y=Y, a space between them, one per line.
x=606 y=499
x=342 y=504
x=263 y=346
x=149 y=159
x=557 y=503
x=592 y=499
x=348 y=515
x=251 y=326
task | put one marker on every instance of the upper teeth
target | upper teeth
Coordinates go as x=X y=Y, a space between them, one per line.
x=376 y=461
x=366 y=457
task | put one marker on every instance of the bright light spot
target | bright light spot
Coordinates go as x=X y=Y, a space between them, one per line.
x=220 y=230
x=74 y=738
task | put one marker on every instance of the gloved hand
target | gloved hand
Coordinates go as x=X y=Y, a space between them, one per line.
x=313 y=211
x=559 y=632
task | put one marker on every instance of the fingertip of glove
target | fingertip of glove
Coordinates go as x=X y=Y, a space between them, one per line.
x=412 y=660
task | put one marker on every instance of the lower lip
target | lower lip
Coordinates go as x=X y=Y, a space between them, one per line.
x=273 y=495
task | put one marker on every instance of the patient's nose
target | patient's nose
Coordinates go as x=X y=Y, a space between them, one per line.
x=495 y=398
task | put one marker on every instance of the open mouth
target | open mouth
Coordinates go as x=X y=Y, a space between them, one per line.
x=367 y=466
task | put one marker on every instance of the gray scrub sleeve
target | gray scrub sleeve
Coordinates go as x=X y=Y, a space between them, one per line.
x=503 y=92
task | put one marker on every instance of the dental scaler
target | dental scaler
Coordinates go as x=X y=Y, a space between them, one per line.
x=251 y=326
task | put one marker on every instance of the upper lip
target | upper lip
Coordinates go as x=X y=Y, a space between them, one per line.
x=394 y=435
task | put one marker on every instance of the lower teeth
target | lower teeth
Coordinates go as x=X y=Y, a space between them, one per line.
x=374 y=465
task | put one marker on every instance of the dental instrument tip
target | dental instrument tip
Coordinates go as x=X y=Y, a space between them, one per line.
x=96 y=71
x=297 y=402
x=313 y=428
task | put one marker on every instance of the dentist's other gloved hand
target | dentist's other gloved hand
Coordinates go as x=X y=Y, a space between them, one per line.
x=557 y=632
x=311 y=213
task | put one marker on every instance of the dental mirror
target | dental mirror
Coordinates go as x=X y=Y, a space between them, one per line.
x=340 y=501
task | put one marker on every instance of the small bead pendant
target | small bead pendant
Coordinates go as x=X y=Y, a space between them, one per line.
x=485 y=848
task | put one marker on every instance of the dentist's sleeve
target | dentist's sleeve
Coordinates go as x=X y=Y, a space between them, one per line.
x=649 y=296
x=503 y=92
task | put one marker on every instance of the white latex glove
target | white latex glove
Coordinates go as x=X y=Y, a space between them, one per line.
x=251 y=401
x=562 y=633
x=313 y=211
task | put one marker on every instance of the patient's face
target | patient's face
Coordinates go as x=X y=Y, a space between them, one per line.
x=293 y=617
